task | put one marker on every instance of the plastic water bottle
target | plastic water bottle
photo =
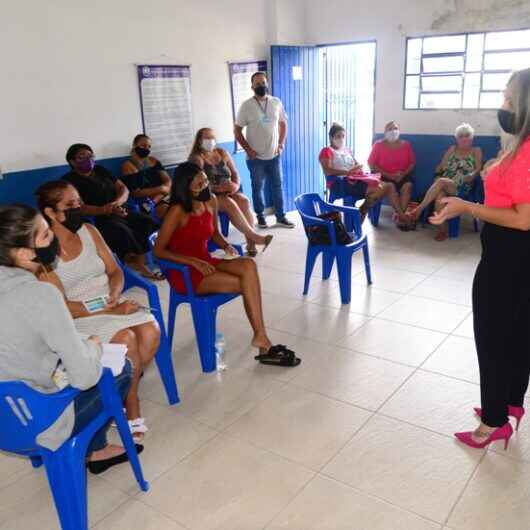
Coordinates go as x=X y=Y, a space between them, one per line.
x=220 y=352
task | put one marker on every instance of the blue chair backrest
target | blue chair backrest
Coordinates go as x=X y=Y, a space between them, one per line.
x=310 y=204
x=25 y=413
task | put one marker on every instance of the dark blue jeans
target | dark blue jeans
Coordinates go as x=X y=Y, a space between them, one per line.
x=88 y=404
x=271 y=172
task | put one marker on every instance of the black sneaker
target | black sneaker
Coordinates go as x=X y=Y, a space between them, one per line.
x=262 y=223
x=284 y=223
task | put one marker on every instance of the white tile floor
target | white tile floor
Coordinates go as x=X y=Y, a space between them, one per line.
x=359 y=437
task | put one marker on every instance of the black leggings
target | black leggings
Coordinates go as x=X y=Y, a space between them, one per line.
x=501 y=311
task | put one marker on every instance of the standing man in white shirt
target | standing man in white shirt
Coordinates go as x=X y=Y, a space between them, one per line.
x=266 y=122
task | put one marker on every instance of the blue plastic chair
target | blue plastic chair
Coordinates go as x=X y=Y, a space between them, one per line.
x=136 y=206
x=476 y=194
x=224 y=223
x=350 y=200
x=309 y=206
x=163 y=358
x=203 y=310
x=25 y=413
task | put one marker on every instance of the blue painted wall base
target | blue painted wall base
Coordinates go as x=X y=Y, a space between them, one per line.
x=19 y=186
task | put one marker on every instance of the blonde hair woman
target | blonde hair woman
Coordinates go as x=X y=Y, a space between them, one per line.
x=501 y=306
x=455 y=174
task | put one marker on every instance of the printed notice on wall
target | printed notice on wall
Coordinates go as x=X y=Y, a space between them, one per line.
x=165 y=97
x=240 y=83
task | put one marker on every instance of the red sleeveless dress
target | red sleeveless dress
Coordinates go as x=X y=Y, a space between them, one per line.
x=191 y=240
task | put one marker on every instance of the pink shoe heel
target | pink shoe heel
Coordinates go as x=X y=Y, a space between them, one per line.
x=502 y=433
x=514 y=412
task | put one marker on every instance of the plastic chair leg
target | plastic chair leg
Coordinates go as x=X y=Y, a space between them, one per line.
x=454 y=227
x=344 y=268
x=367 y=269
x=66 y=473
x=150 y=261
x=36 y=461
x=374 y=213
x=171 y=315
x=163 y=358
x=309 y=265
x=114 y=408
x=328 y=259
x=164 y=363
x=204 y=322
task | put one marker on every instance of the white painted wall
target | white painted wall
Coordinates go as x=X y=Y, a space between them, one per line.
x=68 y=68
x=68 y=65
x=289 y=22
x=389 y=22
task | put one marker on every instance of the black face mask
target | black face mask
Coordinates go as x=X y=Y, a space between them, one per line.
x=74 y=219
x=506 y=120
x=142 y=152
x=261 y=90
x=203 y=196
x=47 y=255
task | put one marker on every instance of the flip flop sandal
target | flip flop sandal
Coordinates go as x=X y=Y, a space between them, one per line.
x=442 y=236
x=279 y=355
x=252 y=253
x=268 y=241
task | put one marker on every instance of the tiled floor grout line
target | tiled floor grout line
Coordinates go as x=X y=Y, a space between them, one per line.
x=468 y=481
x=381 y=499
x=116 y=508
x=373 y=413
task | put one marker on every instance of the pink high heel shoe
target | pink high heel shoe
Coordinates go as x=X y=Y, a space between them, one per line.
x=514 y=412
x=502 y=433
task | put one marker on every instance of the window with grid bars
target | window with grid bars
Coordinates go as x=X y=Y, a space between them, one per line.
x=466 y=71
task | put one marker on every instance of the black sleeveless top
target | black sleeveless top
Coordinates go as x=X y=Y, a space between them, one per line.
x=97 y=189
x=145 y=177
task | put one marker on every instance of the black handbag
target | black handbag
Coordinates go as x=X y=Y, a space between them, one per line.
x=319 y=234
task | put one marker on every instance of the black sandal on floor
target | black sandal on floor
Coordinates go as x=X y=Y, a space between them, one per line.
x=100 y=466
x=279 y=355
x=252 y=252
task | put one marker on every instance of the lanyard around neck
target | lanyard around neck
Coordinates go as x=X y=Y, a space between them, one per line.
x=263 y=110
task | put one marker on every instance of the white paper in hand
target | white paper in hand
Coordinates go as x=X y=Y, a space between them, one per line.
x=114 y=357
x=221 y=254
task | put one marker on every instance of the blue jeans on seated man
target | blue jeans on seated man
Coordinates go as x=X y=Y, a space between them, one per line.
x=270 y=171
x=88 y=404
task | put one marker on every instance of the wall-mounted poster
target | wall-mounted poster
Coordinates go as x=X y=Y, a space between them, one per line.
x=165 y=98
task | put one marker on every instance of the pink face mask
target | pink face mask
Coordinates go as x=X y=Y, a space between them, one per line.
x=465 y=142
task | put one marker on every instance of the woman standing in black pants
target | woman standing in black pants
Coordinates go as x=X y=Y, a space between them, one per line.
x=501 y=288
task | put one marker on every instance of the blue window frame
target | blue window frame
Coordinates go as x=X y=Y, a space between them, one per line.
x=462 y=71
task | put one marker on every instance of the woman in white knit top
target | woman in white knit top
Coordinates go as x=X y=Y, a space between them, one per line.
x=86 y=269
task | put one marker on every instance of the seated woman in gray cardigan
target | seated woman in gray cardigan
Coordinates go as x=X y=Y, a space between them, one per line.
x=38 y=336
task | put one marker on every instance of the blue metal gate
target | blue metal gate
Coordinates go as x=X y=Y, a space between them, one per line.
x=319 y=86
x=295 y=80
x=347 y=84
